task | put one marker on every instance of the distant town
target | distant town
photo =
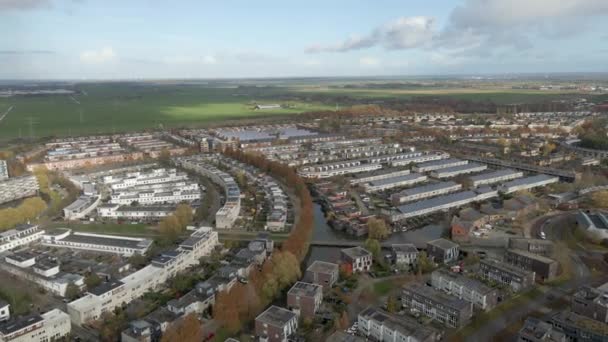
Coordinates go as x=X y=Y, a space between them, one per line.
x=359 y=224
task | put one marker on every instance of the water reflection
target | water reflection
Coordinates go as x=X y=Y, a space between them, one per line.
x=323 y=232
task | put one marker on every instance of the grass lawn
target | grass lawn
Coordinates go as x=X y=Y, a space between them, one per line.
x=19 y=299
x=383 y=288
x=118 y=107
x=109 y=228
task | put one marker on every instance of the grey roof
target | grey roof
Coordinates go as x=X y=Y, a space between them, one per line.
x=108 y=241
x=440 y=162
x=319 y=266
x=276 y=316
x=443 y=243
x=405 y=325
x=21 y=256
x=465 y=281
x=436 y=296
x=528 y=180
x=16 y=324
x=459 y=168
x=304 y=289
x=106 y=286
x=391 y=180
x=503 y=266
x=437 y=201
x=404 y=248
x=494 y=174
x=356 y=252
x=428 y=188
x=533 y=256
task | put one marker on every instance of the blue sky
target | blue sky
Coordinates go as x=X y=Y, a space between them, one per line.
x=94 y=39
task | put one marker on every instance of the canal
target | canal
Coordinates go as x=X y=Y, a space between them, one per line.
x=323 y=232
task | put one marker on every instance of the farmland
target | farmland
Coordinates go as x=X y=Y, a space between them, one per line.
x=129 y=106
x=119 y=107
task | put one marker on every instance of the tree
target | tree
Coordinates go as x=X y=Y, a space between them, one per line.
x=373 y=246
x=164 y=157
x=186 y=329
x=392 y=305
x=169 y=227
x=425 y=265
x=184 y=215
x=92 y=280
x=42 y=177
x=72 y=291
x=600 y=199
x=377 y=229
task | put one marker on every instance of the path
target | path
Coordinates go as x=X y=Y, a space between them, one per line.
x=3 y=115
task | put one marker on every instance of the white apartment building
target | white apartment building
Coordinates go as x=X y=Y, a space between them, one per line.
x=122 y=245
x=50 y=326
x=114 y=293
x=152 y=197
x=138 y=178
x=139 y=212
x=420 y=157
x=16 y=188
x=424 y=191
x=337 y=168
x=229 y=212
x=80 y=208
x=458 y=170
x=527 y=183
x=494 y=177
x=394 y=182
x=439 y=164
x=21 y=235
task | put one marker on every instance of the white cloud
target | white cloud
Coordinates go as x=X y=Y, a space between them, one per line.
x=209 y=59
x=403 y=33
x=103 y=55
x=369 y=61
x=408 y=32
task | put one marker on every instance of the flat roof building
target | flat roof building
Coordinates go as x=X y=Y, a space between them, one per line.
x=527 y=183
x=463 y=287
x=448 y=310
x=439 y=164
x=323 y=273
x=458 y=170
x=494 y=177
x=380 y=325
x=424 y=191
x=305 y=299
x=394 y=182
x=276 y=324
x=545 y=268
x=516 y=278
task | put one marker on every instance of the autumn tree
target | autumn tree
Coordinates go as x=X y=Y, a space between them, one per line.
x=184 y=215
x=170 y=227
x=599 y=199
x=185 y=329
x=373 y=246
x=392 y=305
x=377 y=229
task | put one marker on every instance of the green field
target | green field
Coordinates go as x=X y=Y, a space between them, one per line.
x=492 y=94
x=108 y=108
x=119 y=107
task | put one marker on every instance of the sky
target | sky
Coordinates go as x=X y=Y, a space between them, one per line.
x=134 y=39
